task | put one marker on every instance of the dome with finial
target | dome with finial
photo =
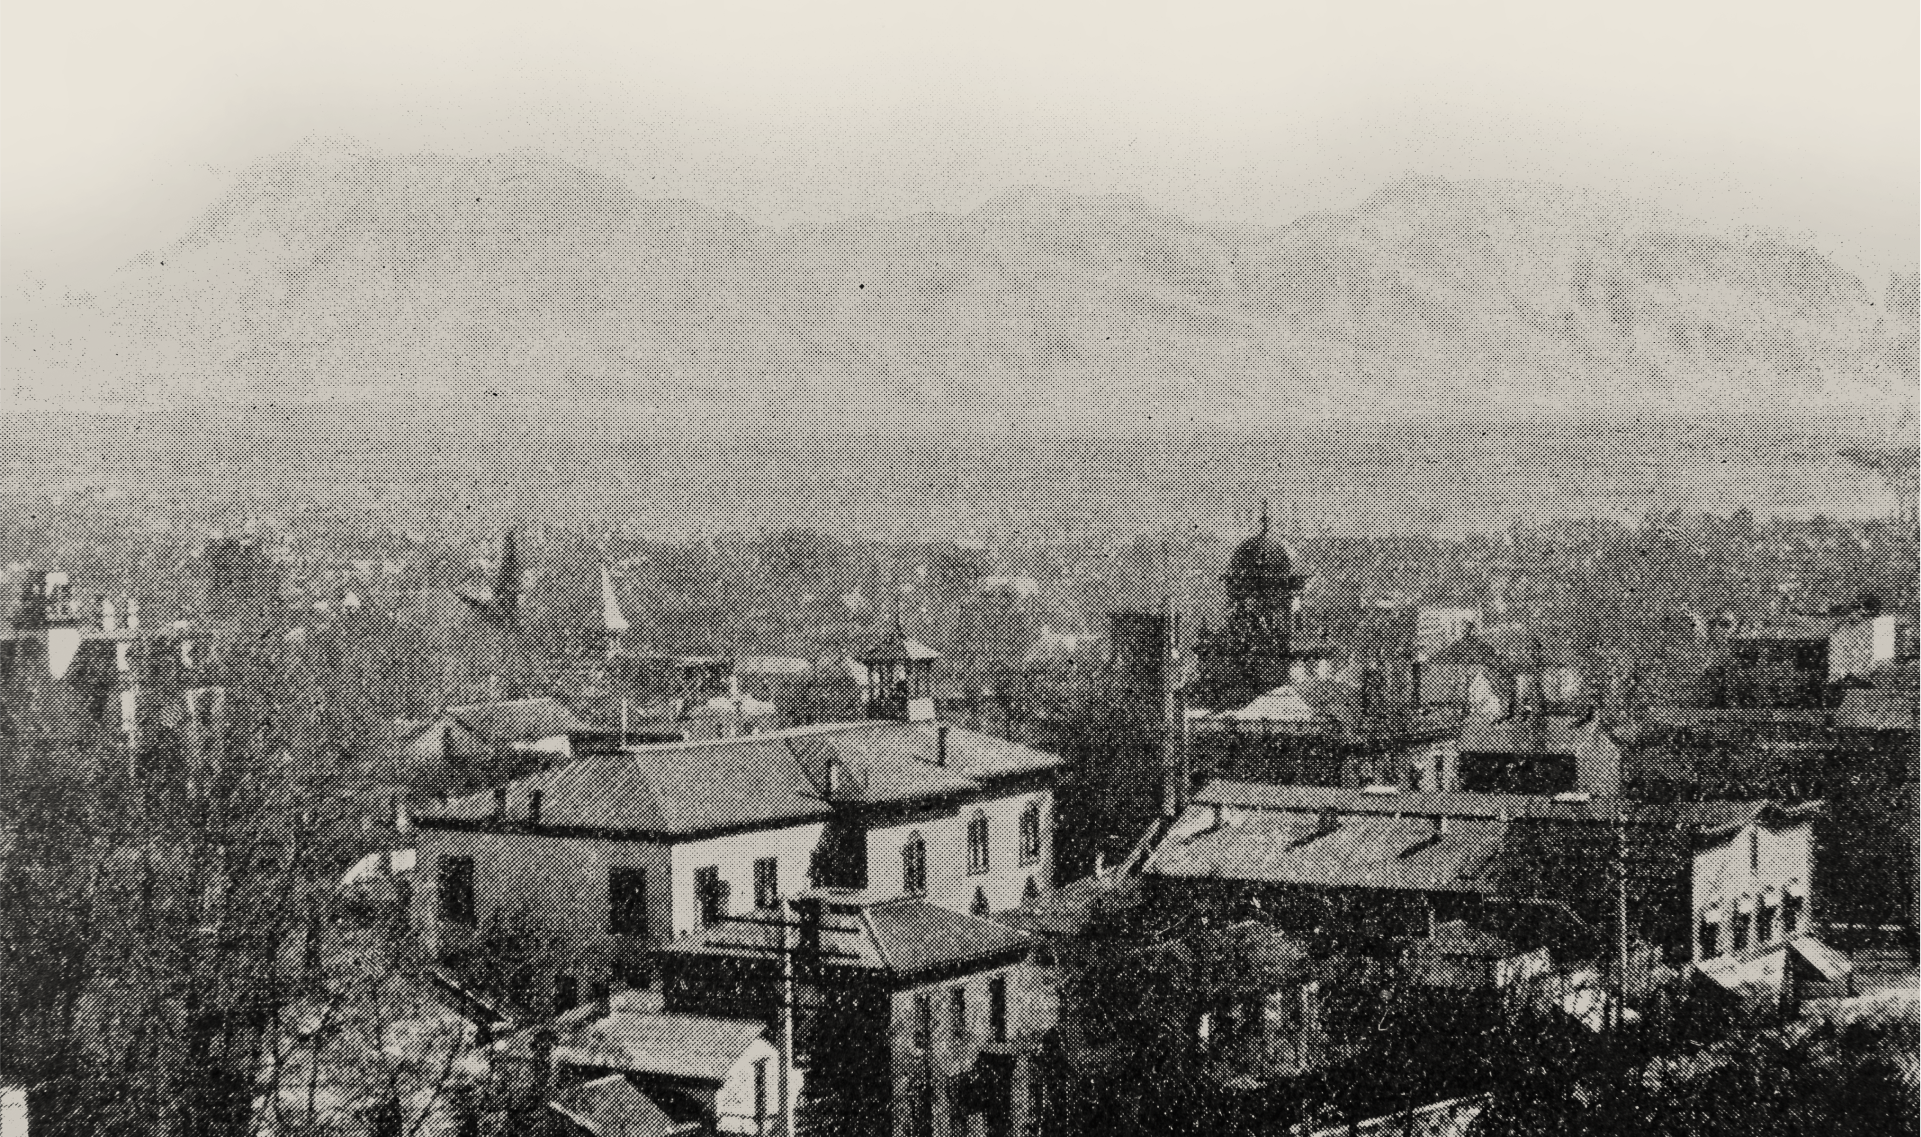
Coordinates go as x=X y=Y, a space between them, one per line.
x=1262 y=566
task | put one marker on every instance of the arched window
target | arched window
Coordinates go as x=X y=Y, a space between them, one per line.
x=913 y=866
x=977 y=843
x=1031 y=834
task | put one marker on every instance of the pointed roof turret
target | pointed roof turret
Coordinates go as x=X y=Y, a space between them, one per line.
x=896 y=647
x=507 y=583
x=610 y=612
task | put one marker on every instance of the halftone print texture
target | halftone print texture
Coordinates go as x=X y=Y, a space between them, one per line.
x=495 y=652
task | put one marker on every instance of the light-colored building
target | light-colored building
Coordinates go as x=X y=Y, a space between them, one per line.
x=619 y=853
x=1858 y=646
x=1404 y=863
x=934 y=1019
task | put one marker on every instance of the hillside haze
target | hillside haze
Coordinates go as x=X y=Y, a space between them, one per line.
x=343 y=276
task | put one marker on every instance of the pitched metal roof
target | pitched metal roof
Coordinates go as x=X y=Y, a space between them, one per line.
x=1592 y=811
x=690 y=1047
x=612 y=1107
x=1365 y=852
x=756 y=780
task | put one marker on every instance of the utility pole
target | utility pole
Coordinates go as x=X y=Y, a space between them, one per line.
x=786 y=1021
x=1620 y=914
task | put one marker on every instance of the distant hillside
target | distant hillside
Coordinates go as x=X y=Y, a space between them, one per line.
x=341 y=274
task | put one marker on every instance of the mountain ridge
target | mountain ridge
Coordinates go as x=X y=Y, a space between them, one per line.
x=337 y=273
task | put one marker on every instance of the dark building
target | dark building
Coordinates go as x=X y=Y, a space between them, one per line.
x=1258 y=648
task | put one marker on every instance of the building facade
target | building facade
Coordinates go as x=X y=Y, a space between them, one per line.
x=618 y=854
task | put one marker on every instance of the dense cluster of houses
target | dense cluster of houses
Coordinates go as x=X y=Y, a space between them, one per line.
x=729 y=909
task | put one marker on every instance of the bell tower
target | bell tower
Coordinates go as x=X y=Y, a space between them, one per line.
x=900 y=677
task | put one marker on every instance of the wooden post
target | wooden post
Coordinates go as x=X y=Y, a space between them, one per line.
x=786 y=1021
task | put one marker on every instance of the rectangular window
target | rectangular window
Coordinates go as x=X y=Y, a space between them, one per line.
x=710 y=894
x=1031 y=835
x=997 y=1008
x=1741 y=920
x=627 y=901
x=923 y=1021
x=766 y=882
x=1764 y=923
x=566 y=993
x=1710 y=938
x=1791 y=916
x=457 y=890
x=958 y=1001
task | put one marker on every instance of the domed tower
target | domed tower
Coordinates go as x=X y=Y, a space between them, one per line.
x=1253 y=652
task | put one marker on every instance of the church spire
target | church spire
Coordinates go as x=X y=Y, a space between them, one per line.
x=508 y=584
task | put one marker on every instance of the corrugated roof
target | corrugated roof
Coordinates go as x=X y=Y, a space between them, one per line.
x=1371 y=852
x=1596 y=810
x=777 y=777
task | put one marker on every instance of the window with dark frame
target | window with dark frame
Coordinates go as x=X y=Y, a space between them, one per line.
x=977 y=860
x=913 y=866
x=923 y=1021
x=1741 y=920
x=766 y=882
x=1031 y=834
x=457 y=890
x=710 y=894
x=1791 y=915
x=627 y=901
x=1764 y=922
x=1710 y=938
x=957 y=1002
x=997 y=1008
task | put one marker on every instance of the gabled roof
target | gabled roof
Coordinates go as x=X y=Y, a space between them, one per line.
x=898 y=936
x=1282 y=704
x=756 y=780
x=1550 y=733
x=1593 y=811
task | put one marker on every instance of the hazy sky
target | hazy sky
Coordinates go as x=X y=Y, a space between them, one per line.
x=123 y=120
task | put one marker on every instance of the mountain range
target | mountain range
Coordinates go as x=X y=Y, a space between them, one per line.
x=341 y=275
